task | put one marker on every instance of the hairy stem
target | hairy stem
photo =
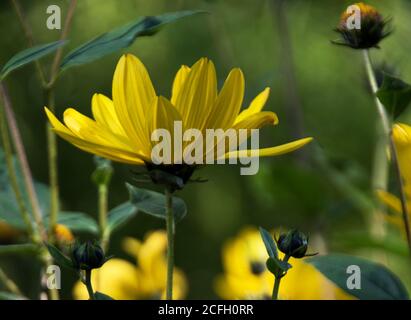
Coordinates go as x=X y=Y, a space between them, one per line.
x=8 y=152
x=170 y=241
x=102 y=214
x=393 y=151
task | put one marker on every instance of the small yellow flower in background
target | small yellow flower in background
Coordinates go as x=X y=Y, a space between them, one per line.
x=144 y=279
x=402 y=140
x=246 y=277
x=7 y=233
x=121 y=128
x=63 y=234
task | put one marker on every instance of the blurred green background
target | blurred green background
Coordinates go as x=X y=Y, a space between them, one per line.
x=321 y=92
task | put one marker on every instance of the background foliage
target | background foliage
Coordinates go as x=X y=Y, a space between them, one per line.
x=318 y=194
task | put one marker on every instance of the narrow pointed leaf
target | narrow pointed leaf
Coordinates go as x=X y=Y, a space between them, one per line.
x=120 y=38
x=120 y=215
x=29 y=55
x=153 y=203
x=394 y=94
x=269 y=243
x=101 y=296
x=59 y=257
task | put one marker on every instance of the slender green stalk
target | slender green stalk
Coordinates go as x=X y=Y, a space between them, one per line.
x=89 y=286
x=8 y=152
x=51 y=136
x=276 y=288
x=170 y=241
x=277 y=281
x=102 y=214
x=53 y=173
x=21 y=155
x=9 y=283
x=29 y=36
x=388 y=133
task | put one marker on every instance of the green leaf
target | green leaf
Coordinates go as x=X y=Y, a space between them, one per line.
x=78 y=222
x=120 y=215
x=269 y=243
x=120 y=38
x=10 y=296
x=394 y=94
x=277 y=267
x=25 y=248
x=102 y=296
x=31 y=54
x=59 y=257
x=9 y=210
x=377 y=282
x=153 y=203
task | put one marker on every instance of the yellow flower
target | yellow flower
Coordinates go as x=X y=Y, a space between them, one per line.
x=63 y=234
x=402 y=140
x=146 y=279
x=122 y=127
x=246 y=277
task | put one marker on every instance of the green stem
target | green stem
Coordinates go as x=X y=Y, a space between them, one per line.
x=393 y=151
x=9 y=283
x=276 y=288
x=277 y=281
x=102 y=214
x=53 y=173
x=170 y=241
x=21 y=156
x=89 y=286
x=13 y=177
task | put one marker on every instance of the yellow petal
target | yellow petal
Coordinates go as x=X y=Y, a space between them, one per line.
x=133 y=94
x=255 y=106
x=105 y=114
x=178 y=83
x=197 y=94
x=269 y=152
x=89 y=130
x=56 y=124
x=103 y=151
x=163 y=116
x=228 y=103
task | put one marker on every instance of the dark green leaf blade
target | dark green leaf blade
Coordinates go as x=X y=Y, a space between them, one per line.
x=394 y=94
x=120 y=38
x=29 y=55
x=153 y=203
x=377 y=282
x=269 y=243
x=78 y=222
x=59 y=257
x=119 y=215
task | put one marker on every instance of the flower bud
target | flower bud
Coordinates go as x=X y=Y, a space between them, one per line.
x=87 y=256
x=293 y=243
x=363 y=27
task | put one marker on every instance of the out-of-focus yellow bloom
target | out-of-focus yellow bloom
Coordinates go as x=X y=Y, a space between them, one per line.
x=8 y=233
x=146 y=279
x=121 y=129
x=402 y=140
x=63 y=234
x=246 y=277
